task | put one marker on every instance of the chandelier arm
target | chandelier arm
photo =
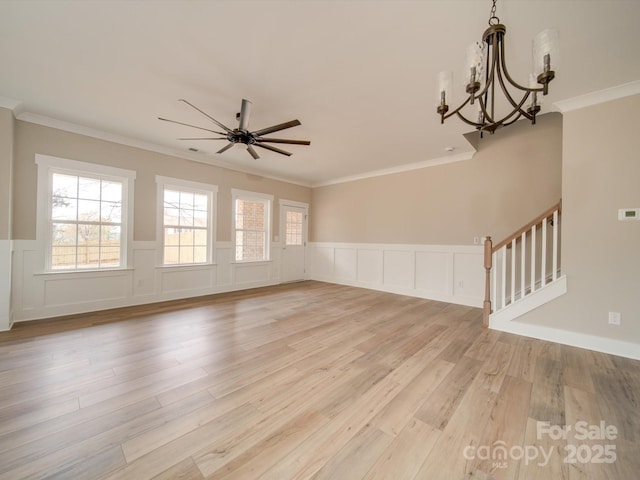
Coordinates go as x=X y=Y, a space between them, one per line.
x=464 y=104
x=517 y=107
x=515 y=119
x=511 y=80
x=488 y=117
x=467 y=121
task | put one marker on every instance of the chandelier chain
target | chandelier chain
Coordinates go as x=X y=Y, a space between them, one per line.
x=493 y=19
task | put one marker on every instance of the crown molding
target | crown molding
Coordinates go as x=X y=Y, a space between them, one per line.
x=459 y=157
x=149 y=146
x=595 y=98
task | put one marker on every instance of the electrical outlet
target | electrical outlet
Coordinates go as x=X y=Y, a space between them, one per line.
x=476 y=240
x=614 y=318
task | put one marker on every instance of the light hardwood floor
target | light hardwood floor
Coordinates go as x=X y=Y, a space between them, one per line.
x=306 y=381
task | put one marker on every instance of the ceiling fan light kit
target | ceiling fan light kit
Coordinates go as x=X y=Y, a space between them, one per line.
x=487 y=68
x=242 y=133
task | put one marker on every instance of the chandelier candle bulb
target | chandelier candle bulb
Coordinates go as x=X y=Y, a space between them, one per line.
x=445 y=79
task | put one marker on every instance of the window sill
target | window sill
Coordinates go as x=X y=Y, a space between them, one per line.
x=88 y=271
x=188 y=266
x=251 y=262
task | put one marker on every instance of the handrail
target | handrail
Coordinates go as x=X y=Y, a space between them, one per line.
x=536 y=221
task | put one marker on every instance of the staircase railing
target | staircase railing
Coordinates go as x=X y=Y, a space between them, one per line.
x=533 y=262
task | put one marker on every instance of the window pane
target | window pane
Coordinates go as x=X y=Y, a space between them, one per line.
x=88 y=234
x=201 y=202
x=63 y=258
x=171 y=198
x=110 y=235
x=89 y=210
x=200 y=237
x=186 y=218
x=200 y=218
x=64 y=185
x=171 y=255
x=111 y=212
x=171 y=216
x=171 y=236
x=111 y=191
x=186 y=200
x=200 y=254
x=186 y=254
x=88 y=256
x=89 y=188
x=63 y=208
x=110 y=256
x=63 y=234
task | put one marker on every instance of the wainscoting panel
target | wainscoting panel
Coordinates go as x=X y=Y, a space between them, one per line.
x=399 y=269
x=447 y=273
x=370 y=266
x=345 y=266
x=36 y=294
x=85 y=287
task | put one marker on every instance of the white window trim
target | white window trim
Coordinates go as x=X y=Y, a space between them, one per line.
x=212 y=192
x=47 y=165
x=247 y=195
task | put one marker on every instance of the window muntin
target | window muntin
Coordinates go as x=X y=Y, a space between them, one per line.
x=252 y=226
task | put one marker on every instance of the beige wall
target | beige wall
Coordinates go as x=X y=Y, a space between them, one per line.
x=601 y=255
x=514 y=176
x=32 y=139
x=6 y=159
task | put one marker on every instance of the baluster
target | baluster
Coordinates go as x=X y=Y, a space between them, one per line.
x=504 y=276
x=494 y=279
x=513 y=270
x=533 y=259
x=543 y=254
x=555 y=245
x=523 y=245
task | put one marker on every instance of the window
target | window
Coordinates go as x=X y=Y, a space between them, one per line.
x=251 y=226
x=84 y=214
x=187 y=218
x=294 y=223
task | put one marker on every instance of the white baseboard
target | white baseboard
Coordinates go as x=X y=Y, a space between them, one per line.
x=574 y=339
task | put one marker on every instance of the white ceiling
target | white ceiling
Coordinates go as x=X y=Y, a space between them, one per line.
x=359 y=75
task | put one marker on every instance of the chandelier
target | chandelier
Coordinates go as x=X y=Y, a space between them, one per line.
x=487 y=68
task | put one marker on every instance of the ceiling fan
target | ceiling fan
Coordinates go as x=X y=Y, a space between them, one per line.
x=242 y=133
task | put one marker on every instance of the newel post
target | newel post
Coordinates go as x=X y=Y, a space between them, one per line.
x=488 y=258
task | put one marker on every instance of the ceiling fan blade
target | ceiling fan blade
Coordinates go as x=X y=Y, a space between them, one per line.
x=188 y=125
x=245 y=113
x=281 y=140
x=226 y=147
x=273 y=149
x=226 y=129
x=276 y=128
x=253 y=152
x=205 y=138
